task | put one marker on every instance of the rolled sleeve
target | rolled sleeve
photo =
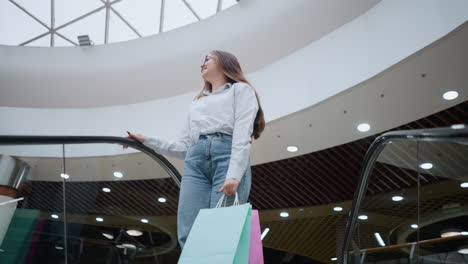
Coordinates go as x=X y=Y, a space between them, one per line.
x=245 y=111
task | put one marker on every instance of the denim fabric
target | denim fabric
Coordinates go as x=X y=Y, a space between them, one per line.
x=205 y=168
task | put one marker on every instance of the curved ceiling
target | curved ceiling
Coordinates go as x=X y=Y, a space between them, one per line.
x=258 y=31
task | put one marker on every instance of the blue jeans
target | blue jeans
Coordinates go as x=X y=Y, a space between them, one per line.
x=205 y=168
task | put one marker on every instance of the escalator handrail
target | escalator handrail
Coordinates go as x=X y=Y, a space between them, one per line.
x=49 y=140
x=447 y=134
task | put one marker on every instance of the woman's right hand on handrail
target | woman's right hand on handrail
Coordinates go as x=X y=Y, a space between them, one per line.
x=137 y=137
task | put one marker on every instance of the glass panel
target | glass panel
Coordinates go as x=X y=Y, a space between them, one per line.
x=204 y=8
x=67 y=10
x=92 y=25
x=38 y=8
x=110 y=195
x=177 y=14
x=228 y=3
x=42 y=42
x=142 y=15
x=118 y=30
x=16 y=26
x=32 y=229
x=389 y=211
x=443 y=175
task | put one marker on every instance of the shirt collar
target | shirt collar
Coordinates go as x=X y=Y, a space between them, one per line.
x=222 y=88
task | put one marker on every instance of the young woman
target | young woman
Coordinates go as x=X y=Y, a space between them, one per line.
x=216 y=141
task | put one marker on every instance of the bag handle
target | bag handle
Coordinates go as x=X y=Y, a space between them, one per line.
x=224 y=198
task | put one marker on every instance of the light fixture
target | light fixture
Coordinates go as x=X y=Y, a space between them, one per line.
x=450 y=232
x=458 y=126
x=379 y=239
x=450 y=95
x=84 y=40
x=59 y=247
x=105 y=189
x=465 y=233
x=284 y=214
x=414 y=226
x=334 y=259
x=118 y=174
x=292 y=148
x=128 y=246
x=463 y=249
x=464 y=184
x=107 y=235
x=162 y=200
x=264 y=233
x=99 y=219
x=64 y=175
x=134 y=232
x=397 y=198
x=54 y=216
x=426 y=166
x=337 y=208
x=144 y=220
x=363 y=217
x=364 y=127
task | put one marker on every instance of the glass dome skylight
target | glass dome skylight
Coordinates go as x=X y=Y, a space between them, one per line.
x=52 y=23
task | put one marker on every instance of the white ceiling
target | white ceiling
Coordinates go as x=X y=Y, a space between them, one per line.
x=259 y=32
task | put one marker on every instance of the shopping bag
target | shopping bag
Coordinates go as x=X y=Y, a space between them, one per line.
x=256 y=247
x=219 y=236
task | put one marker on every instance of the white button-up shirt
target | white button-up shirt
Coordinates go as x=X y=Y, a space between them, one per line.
x=230 y=110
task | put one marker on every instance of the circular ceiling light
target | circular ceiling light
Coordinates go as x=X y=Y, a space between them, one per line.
x=414 y=226
x=284 y=214
x=464 y=184
x=450 y=95
x=426 y=166
x=450 y=232
x=334 y=259
x=105 y=189
x=118 y=174
x=363 y=217
x=463 y=249
x=364 y=127
x=128 y=246
x=162 y=200
x=458 y=126
x=133 y=232
x=292 y=148
x=337 y=208
x=99 y=219
x=64 y=175
x=54 y=216
x=397 y=198
x=107 y=235
x=144 y=220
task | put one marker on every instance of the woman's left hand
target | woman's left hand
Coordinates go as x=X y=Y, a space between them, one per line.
x=230 y=186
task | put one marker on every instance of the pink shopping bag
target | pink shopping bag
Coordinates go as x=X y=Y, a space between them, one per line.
x=256 y=248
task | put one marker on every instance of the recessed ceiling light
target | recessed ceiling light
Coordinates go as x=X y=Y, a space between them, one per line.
x=463 y=249
x=134 y=232
x=162 y=200
x=465 y=233
x=464 y=184
x=64 y=175
x=397 y=198
x=450 y=232
x=54 y=216
x=99 y=219
x=128 y=246
x=119 y=246
x=363 y=217
x=337 y=208
x=284 y=214
x=105 y=189
x=458 y=126
x=379 y=239
x=144 y=220
x=107 y=235
x=364 y=127
x=450 y=95
x=264 y=233
x=426 y=166
x=334 y=259
x=118 y=174
x=58 y=247
x=292 y=148
x=414 y=226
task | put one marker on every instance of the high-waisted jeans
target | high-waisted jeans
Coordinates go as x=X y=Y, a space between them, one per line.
x=205 y=168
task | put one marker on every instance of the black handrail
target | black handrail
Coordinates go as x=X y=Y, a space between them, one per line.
x=48 y=140
x=447 y=134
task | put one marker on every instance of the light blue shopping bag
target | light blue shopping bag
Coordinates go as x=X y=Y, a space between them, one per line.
x=219 y=236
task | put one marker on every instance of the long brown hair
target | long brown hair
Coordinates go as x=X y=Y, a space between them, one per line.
x=233 y=73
